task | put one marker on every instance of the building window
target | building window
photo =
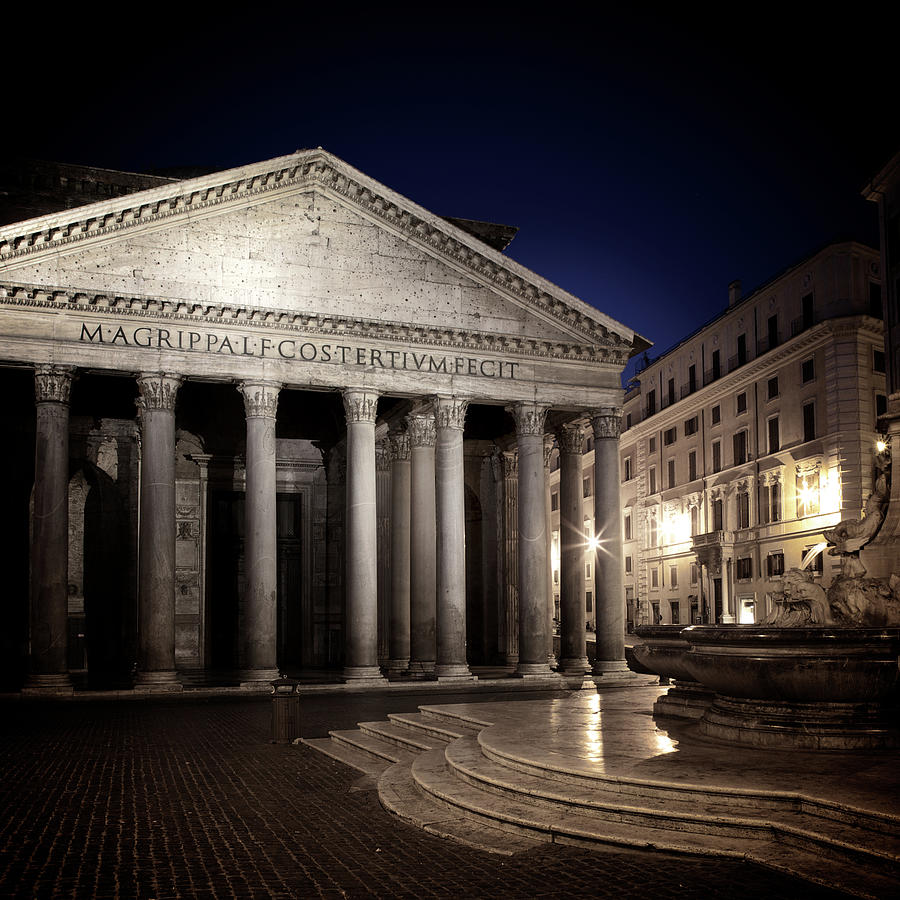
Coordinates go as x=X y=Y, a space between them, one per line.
x=695 y=573
x=586 y=486
x=673 y=576
x=807 y=302
x=657 y=619
x=692 y=465
x=651 y=403
x=627 y=421
x=690 y=426
x=671 y=391
x=716 y=365
x=588 y=601
x=717 y=456
x=627 y=528
x=589 y=444
x=653 y=535
x=674 y=605
x=628 y=473
x=716 y=415
x=744 y=568
x=809 y=421
x=774 y=435
x=876 y=309
x=815 y=564
x=878 y=361
x=717 y=514
x=670 y=435
x=652 y=445
x=695 y=520
x=652 y=480
x=743 y=509
x=554 y=501
x=773 y=331
x=740 y=447
x=808 y=371
x=741 y=405
x=670 y=466
x=775 y=565
x=741 y=349
x=771 y=502
x=880 y=405
x=772 y=388
x=587 y=571
x=627 y=565
x=654 y=577
x=807 y=495
x=692 y=379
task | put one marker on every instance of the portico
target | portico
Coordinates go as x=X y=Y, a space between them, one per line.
x=273 y=325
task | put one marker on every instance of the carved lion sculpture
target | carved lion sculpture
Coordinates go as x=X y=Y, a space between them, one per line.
x=802 y=602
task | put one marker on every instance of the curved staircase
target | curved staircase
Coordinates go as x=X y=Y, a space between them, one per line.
x=504 y=777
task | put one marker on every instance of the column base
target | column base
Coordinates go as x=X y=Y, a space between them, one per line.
x=257 y=677
x=454 y=673
x=363 y=675
x=41 y=685
x=166 y=680
x=524 y=669
x=574 y=666
x=397 y=666
x=602 y=666
x=421 y=669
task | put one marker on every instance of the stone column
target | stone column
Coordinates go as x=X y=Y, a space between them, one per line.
x=423 y=546
x=156 y=544
x=548 y=455
x=383 y=518
x=48 y=665
x=532 y=540
x=450 y=413
x=508 y=614
x=361 y=653
x=260 y=622
x=572 y=545
x=400 y=561
x=609 y=565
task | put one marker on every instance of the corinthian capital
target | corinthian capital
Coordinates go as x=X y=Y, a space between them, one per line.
x=450 y=412
x=529 y=417
x=260 y=398
x=360 y=406
x=158 y=390
x=549 y=442
x=399 y=445
x=606 y=422
x=571 y=439
x=421 y=430
x=383 y=455
x=52 y=384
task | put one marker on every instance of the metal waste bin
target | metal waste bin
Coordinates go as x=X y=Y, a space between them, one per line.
x=285 y=710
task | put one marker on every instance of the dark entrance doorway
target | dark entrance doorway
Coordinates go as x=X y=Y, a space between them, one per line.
x=227 y=580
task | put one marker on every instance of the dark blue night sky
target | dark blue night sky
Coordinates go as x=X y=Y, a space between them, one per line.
x=648 y=160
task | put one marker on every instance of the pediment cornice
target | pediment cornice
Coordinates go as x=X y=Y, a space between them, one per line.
x=315 y=169
x=306 y=323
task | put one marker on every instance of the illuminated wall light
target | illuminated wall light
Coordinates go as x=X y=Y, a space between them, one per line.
x=677 y=528
x=830 y=491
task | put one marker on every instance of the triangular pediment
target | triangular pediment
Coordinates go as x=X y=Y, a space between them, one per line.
x=306 y=235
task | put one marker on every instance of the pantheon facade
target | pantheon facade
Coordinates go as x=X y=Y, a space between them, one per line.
x=281 y=418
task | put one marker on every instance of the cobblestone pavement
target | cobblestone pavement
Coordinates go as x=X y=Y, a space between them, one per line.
x=155 y=799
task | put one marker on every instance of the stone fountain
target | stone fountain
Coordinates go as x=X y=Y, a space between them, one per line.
x=819 y=672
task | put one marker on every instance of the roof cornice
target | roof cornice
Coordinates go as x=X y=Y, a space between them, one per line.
x=320 y=170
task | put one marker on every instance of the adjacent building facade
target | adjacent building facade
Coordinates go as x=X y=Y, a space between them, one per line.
x=745 y=441
x=281 y=417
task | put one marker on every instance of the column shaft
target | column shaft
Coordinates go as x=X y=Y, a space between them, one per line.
x=423 y=546
x=573 y=544
x=451 y=539
x=532 y=540
x=156 y=545
x=609 y=564
x=260 y=625
x=361 y=637
x=48 y=670
x=548 y=455
x=400 y=554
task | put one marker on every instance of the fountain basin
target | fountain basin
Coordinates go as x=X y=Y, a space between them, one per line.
x=803 y=688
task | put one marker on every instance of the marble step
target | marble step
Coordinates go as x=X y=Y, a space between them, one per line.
x=361 y=760
x=405 y=738
x=855 y=838
x=437 y=728
x=583 y=828
x=378 y=749
x=398 y=794
x=453 y=716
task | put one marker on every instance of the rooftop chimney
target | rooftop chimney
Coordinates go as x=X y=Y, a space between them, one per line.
x=734 y=291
